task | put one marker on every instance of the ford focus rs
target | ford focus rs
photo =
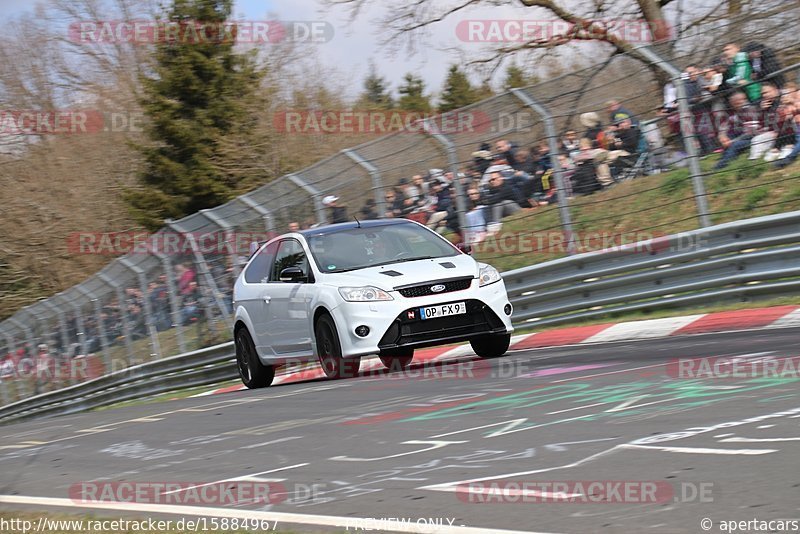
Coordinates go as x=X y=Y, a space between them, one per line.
x=337 y=293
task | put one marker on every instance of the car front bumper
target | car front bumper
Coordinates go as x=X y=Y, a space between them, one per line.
x=391 y=327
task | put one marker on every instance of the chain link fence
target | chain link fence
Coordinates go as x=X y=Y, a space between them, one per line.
x=173 y=293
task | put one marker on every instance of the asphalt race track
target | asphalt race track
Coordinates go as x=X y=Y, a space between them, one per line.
x=461 y=444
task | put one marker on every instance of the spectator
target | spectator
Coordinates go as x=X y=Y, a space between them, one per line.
x=338 y=214
x=617 y=113
x=191 y=305
x=185 y=277
x=740 y=72
x=584 y=179
x=765 y=64
x=594 y=129
x=500 y=198
x=368 y=210
x=787 y=111
x=506 y=149
x=475 y=232
x=294 y=226
x=736 y=135
x=394 y=203
x=764 y=139
x=570 y=143
x=482 y=158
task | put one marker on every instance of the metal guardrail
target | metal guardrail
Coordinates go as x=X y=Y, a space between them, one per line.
x=737 y=260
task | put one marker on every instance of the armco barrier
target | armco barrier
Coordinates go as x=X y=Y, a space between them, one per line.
x=737 y=260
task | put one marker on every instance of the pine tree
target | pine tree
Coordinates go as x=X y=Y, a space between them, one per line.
x=376 y=92
x=515 y=77
x=458 y=91
x=413 y=94
x=196 y=102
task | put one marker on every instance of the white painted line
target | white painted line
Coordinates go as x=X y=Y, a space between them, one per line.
x=577 y=408
x=629 y=369
x=701 y=450
x=350 y=523
x=244 y=477
x=651 y=328
x=757 y=440
x=281 y=440
x=453 y=486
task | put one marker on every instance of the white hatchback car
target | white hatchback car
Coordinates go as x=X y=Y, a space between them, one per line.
x=340 y=292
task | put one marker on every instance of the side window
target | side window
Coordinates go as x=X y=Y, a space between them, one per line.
x=290 y=254
x=257 y=271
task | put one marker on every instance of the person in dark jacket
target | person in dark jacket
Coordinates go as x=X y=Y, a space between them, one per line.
x=765 y=64
x=338 y=214
x=501 y=198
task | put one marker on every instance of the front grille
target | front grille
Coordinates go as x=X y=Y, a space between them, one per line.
x=423 y=290
x=408 y=328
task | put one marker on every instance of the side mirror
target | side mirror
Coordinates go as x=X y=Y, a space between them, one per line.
x=293 y=274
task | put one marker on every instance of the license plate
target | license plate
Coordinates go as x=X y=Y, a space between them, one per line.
x=443 y=310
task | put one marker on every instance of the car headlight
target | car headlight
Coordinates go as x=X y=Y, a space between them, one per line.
x=488 y=275
x=364 y=294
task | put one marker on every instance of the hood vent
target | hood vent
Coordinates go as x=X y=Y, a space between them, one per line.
x=448 y=265
x=391 y=273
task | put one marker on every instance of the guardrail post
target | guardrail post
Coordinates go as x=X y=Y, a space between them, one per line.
x=148 y=312
x=228 y=229
x=558 y=172
x=687 y=131
x=269 y=221
x=101 y=327
x=123 y=313
x=461 y=205
x=202 y=266
x=377 y=182
x=314 y=193
x=174 y=307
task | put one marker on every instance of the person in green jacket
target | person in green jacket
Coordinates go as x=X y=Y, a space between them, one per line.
x=740 y=72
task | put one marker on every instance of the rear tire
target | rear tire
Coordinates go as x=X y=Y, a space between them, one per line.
x=329 y=351
x=253 y=373
x=491 y=346
x=398 y=360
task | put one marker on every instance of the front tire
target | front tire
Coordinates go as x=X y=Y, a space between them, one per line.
x=491 y=346
x=253 y=373
x=398 y=360
x=329 y=351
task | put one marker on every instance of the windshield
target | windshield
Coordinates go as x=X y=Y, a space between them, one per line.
x=358 y=248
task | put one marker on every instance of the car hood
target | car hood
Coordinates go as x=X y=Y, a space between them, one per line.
x=388 y=277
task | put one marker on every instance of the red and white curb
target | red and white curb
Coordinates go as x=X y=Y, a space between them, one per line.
x=775 y=317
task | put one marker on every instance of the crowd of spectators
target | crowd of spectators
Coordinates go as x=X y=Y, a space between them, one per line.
x=741 y=103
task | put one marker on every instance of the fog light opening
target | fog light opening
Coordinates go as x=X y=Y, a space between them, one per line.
x=508 y=309
x=362 y=331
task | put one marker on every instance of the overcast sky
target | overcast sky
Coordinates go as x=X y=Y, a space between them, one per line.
x=356 y=43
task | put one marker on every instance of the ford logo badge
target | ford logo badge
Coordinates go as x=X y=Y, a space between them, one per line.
x=438 y=288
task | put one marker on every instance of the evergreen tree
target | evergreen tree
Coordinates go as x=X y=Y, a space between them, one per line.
x=376 y=92
x=196 y=102
x=458 y=91
x=515 y=77
x=413 y=94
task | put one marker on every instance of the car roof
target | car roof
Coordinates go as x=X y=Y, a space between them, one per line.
x=335 y=228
